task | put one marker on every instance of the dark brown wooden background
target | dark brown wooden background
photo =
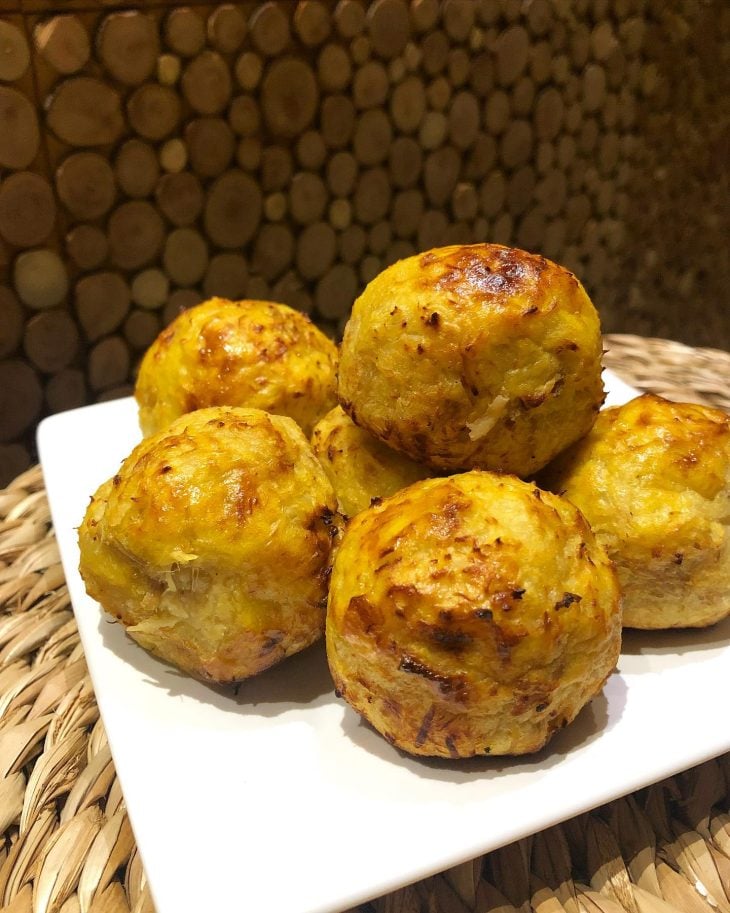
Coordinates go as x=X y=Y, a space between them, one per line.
x=153 y=154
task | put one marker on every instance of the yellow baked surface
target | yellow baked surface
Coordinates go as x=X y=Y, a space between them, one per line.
x=360 y=466
x=473 y=356
x=238 y=353
x=653 y=479
x=212 y=544
x=471 y=615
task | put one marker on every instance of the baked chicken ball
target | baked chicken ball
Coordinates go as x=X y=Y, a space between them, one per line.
x=360 y=466
x=237 y=353
x=471 y=615
x=653 y=479
x=212 y=544
x=473 y=356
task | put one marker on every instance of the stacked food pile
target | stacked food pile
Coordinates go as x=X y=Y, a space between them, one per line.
x=467 y=611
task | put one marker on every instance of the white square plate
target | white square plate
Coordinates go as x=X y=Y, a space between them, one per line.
x=278 y=798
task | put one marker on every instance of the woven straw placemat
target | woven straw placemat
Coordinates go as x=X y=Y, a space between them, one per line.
x=66 y=840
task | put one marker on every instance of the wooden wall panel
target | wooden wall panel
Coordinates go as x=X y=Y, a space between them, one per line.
x=152 y=154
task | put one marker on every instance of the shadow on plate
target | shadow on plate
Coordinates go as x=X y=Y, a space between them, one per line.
x=597 y=717
x=298 y=681
x=691 y=644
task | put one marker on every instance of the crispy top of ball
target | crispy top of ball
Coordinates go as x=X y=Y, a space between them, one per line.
x=213 y=542
x=473 y=356
x=237 y=353
x=474 y=573
x=653 y=477
x=471 y=614
x=360 y=466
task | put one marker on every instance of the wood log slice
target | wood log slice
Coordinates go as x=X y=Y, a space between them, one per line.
x=185 y=256
x=341 y=173
x=63 y=43
x=227 y=28
x=275 y=206
x=180 y=197
x=512 y=53
x=458 y=17
x=370 y=85
x=433 y=129
x=40 y=278
x=463 y=120
x=19 y=135
x=21 y=397
x=481 y=157
x=154 y=111
x=11 y=321
x=150 y=289
x=269 y=29
x=173 y=155
x=226 y=276
x=520 y=189
x=27 y=209
x=248 y=70
x=128 y=46
x=51 y=340
x=440 y=173
x=372 y=196
x=184 y=32
x=108 y=363
x=66 y=390
x=289 y=290
x=289 y=97
x=408 y=105
x=206 y=83
x=389 y=27
x=373 y=136
x=87 y=246
x=458 y=66
x=425 y=15
x=85 y=185
x=492 y=194
x=308 y=197
x=273 y=251
x=14 y=52
x=405 y=162
x=168 y=69
x=337 y=117
x=516 y=144
x=336 y=291
x=334 y=70
x=315 y=250
x=210 y=145
x=276 y=168
x=101 y=301
x=497 y=112
x=431 y=229
x=136 y=168
x=339 y=213
x=312 y=22
x=248 y=153
x=84 y=111
x=435 y=47
x=349 y=16
x=232 y=210
x=351 y=244
x=408 y=207
x=379 y=237
x=244 y=115
x=464 y=201
x=141 y=328
x=136 y=231
x=311 y=150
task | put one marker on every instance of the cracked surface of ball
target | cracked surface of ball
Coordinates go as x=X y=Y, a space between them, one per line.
x=471 y=615
x=473 y=356
x=212 y=544
x=360 y=466
x=653 y=479
x=237 y=353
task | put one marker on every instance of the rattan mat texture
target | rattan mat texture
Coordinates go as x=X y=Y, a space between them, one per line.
x=66 y=841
